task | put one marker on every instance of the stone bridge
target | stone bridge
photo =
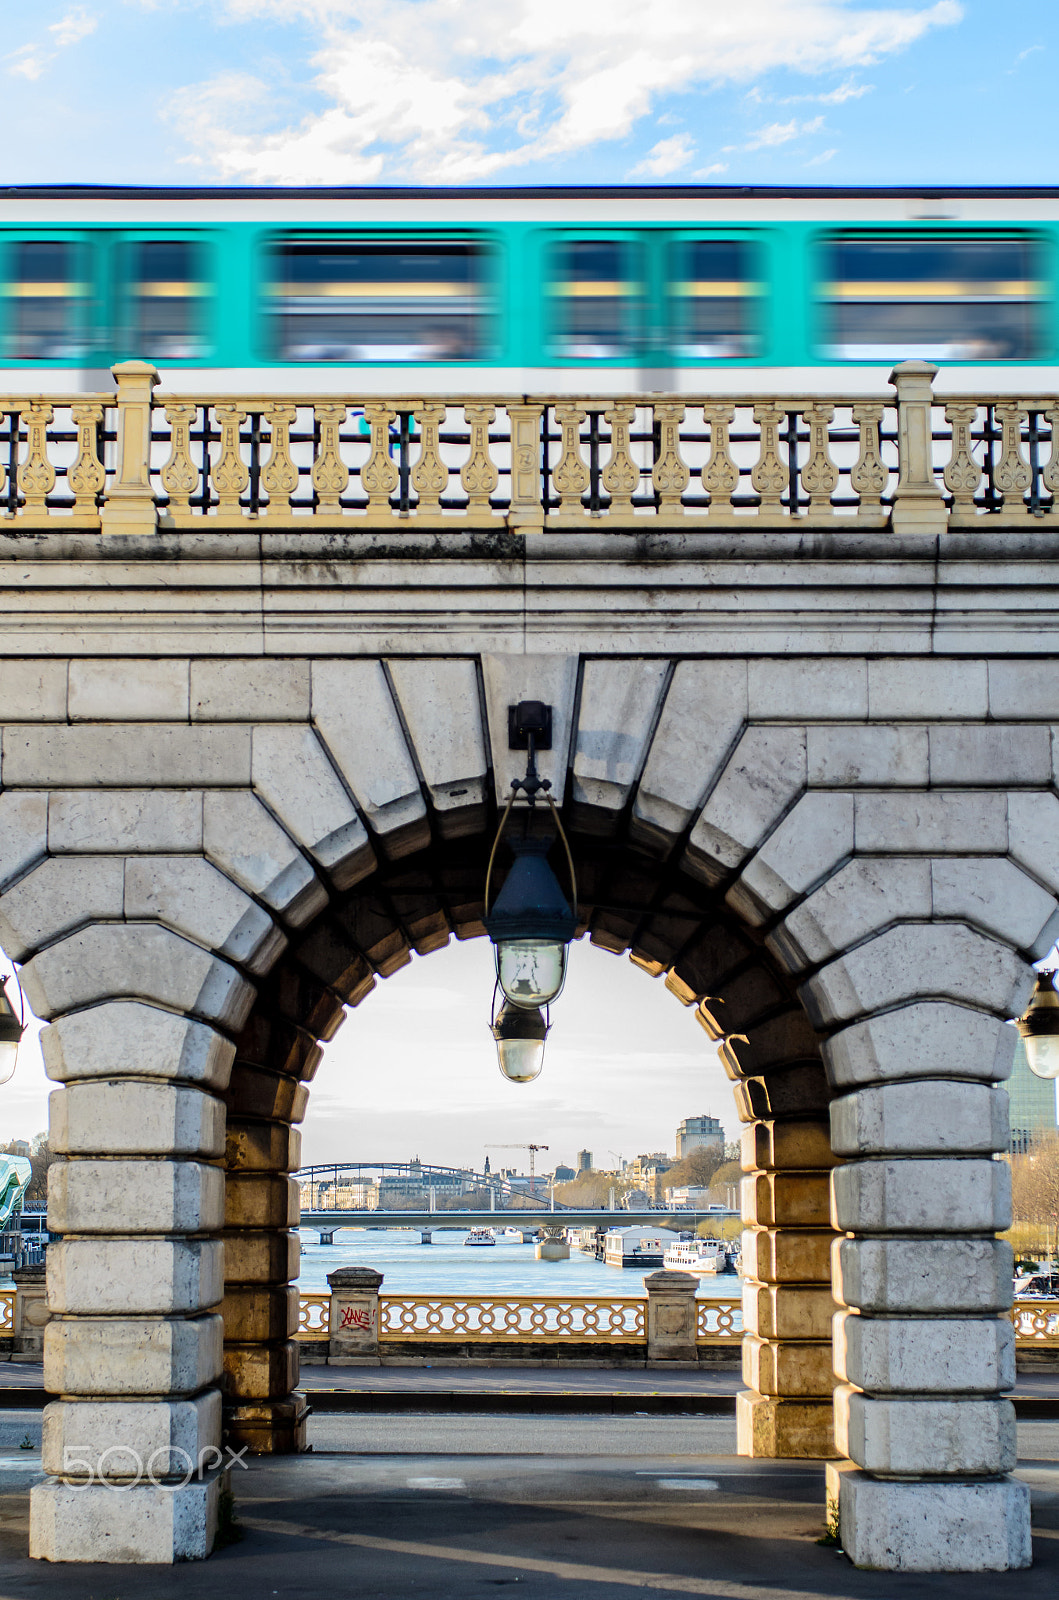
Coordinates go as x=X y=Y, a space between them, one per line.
x=257 y=660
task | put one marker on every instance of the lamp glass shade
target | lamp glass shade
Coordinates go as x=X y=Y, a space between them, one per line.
x=531 y=971
x=1042 y=1054
x=8 y=1054
x=520 y=1060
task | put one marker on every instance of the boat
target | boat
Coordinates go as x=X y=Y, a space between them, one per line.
x=704 y=1257
x=633 y=1247
x=480 y=1236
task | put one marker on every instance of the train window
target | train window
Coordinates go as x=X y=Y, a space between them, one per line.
x=597 y=299
x=379 y=302
x=936 y=299
x=45 y=295
x=713 y=299
x=167 y=292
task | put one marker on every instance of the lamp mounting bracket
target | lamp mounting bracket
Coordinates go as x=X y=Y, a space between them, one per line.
x=529 y=720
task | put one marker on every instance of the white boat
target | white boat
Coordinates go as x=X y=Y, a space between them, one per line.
x=704 y=1257
x=480 y=1236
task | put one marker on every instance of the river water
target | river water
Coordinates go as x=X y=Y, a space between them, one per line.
x=447 y=1266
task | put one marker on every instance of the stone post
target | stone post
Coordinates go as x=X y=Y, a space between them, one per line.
x=129 y=505
x=786 y=1409
x=671 y=1318
x=31 y=1311
x=918 y=503
x=526 y=507
x=354 y=1324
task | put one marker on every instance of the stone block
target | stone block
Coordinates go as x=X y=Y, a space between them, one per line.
x=993 y=754
x=931 y=1038
x=1020 y=689
x=1033 y=828
x=918 y=688
x=864 y=895
x=781 y=1311
x=672 y=1316
x=128 y=1039
x=262 y=689
x=145 y=1525
x=781 y=1041
x=992 y=894
x=768 y=1426
x=119 y=756
x=440 y=707
x=618 y=710
x=354 y=714
x=787 y=1367
x=192 y=897
x=804 y=1143
x=787 y=1092
x=923 y=1275
x=123 y=1439
x=947 y=1195
x=948 y=1526
x=56 y=896
x=765 y=772
x=807 y=690
x=703 y=716
x=249 y=845
x=100 y=1117
x=925 y=1355
x=34 y=690
x=741 y=1001
x=282 y=1046
x=874 y=755
x=298 y=783
x=268 y=1427
x=134 y=1277
x=261 y=1147
x=706 y=962
x=268 y=1258
x=273 y=1096
x=123 y=1355
x=931 y=1115
x=135 y=1197
x=125 y=690
x=925 y=1438
x=940 y=959
x=137 y=961
x=805 y=848
x=787 y=1199
x=260 y=1371
x=23 y=832
x=332 y=958
x=261 y=1200
x=124 y=821
x=939 y=823
x=507 y=679
x=260 y=1315
x=787 y=1255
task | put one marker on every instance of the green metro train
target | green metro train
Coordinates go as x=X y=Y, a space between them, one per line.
x=560 y=290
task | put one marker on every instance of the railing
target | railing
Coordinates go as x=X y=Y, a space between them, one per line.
x=510 y=1319
x=135 y=461
x=314 y=1316
x=1036 y=1324
x=7 y=1312
x=718 y=1320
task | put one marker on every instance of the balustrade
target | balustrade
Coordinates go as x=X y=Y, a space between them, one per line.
x=137 y=460
x=7 y=1312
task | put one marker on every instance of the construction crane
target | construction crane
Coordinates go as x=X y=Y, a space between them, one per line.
x=532 y=1148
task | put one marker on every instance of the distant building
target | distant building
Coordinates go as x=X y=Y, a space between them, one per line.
x=1032 y=1103
x=689 y=1198
x=564 y=1174
x=647 y=1172
x=699 y=1133
x=584 y=1161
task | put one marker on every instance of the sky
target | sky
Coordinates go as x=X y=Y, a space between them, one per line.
x=528 y=92
x=412 y=1071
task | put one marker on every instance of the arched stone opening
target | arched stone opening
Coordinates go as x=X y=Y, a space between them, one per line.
x=671 y=925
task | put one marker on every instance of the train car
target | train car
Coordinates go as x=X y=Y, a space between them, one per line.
x=560 y=290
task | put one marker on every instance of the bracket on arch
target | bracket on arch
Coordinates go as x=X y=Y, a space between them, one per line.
x=529 y=717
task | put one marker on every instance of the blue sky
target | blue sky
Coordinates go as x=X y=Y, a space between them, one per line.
x=531 y=91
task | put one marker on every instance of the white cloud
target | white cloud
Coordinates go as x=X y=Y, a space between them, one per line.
x=825 y=155
x=450 y=91
x=667 y=156
x=29 y=62
x=776 y=133
x=75 y=26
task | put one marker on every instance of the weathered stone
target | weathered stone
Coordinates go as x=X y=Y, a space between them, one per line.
x=928 y=1039
x=863 y=896
x=787 y=1199
x=171 y=755
x=804 y=689
x=771 y=1426
x=619 y=705
x=259 y=690
x=935 y=823
x=935 y=1115
x=782 y=1311
x=787 y=1092
x=992 y=894
x=125 y=690
x=255 y=1092
x=922 y=1196
x=34 y=690
x=192 y=897
x=439 y=703
x=164 y=1525
x=787 y=1255
x=134 y=1277
x=124 y=821
x=299 y=784
x=788 y=1367
x=123 y=1439
x=135 y=1197
x=509 y=679
x=128 y=1355
x=919 y=1275
x=920 y=687
x=781 y=1041
x=261 y=1200
x=251 y=847
x=260 y=1315
x=23 y=833
x=128 y=1039
x=57 y=896
x=120 y=1117
x=873 y=755
x=703 y=715
x=268 y=1258
x=925 y=1355
x=904 y=1438
x=1013 y=754
x=672 y=1316
x=805 y=848
x=259 y=1371
x=354 y=714
x=764 y=774
x=805 y=1143
x=932 y=1526
x=261 y=1146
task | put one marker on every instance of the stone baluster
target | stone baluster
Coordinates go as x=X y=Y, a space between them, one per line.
x=787 y=1305
x=430 y=476
x=620 y=475
x=868 y=476
x=180 y=476
x=1050 y=475
x=963 y=474
x=130 y=506
x=37 y=475
x=230 y=473
x=526 y=505
x=769 y=475
x=1012 y=474
x=479 y=475
x=720 y=475
x=280 y=475
x=918 y=503
x=670 y=475
x=330 y=475
x=570 y=477
x=819 y=475
x=86 y=477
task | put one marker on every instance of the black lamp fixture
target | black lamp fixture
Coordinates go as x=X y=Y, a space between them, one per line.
x=11 y=1031
x=531 y=922
x=1039 y=1027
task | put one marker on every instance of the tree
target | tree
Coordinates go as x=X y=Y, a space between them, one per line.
x=1035 y=1189
x=697 y=1169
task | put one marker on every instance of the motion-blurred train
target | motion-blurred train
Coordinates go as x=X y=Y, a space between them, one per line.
x=591 y=291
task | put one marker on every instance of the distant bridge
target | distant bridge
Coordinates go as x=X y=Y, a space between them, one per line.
x=431 y=1175
x=565 y=1217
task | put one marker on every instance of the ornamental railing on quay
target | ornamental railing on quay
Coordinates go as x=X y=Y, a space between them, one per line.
x=134 y=460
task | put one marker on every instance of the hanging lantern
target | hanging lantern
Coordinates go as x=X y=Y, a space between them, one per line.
x=11 y=1031
x=520 y=1034
x=1039 y=1027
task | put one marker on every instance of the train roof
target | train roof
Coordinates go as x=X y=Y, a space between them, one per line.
x=626 y=192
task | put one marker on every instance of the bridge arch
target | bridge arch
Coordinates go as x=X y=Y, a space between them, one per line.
x=204 y=862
